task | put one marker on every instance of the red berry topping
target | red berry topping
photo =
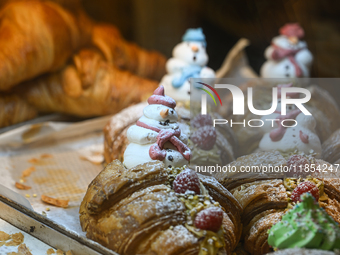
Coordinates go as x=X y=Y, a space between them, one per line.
x=298 y=161
x=204 y=137
x=201 y=121
x=297 y=165
x=209 y=219
x=304 y=187
x=187 y=180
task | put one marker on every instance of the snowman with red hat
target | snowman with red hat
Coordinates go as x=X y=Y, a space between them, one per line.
x=287 y=56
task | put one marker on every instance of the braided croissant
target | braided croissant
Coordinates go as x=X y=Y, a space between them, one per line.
x=264 y=200
x=89 y=86
x=134 y=211
x=37 y=37
x=127 y=56
x=14 y=110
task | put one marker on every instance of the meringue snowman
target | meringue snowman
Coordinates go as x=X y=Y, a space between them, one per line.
x=288 y=56
x=156 y=135
x=189 y=61
x=302 y=137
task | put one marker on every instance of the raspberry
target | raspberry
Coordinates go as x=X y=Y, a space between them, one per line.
x=187 y=180
x=298 y=161
x=204 y=137
x=304 y=187
x=201 y=121
x=209 y=219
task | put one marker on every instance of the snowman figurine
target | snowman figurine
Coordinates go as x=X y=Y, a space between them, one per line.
x=189 y=61
x=302 y=137
x=157 y=136
x=288 y=56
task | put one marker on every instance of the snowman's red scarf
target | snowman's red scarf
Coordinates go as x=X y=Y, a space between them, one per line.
x=157 y=151
x=280 y=53
x=277 y=134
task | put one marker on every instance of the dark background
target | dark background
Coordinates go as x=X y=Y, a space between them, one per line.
x=160 y=24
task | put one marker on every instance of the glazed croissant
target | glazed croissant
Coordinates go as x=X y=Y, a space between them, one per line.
x=88 y=86
x=265 y=200
x=127 y=56
x=37 y=37
x=14 y=110
x=134 y=211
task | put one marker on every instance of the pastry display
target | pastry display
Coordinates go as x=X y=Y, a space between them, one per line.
x=33 y=46
x=266 y=197
x=322 y=106
x=189 y=61
x=88 y=86
x=172 y=182
x=152 y=207
x=288 y=55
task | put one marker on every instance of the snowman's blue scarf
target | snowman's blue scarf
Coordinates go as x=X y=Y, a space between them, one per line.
x=186 y=73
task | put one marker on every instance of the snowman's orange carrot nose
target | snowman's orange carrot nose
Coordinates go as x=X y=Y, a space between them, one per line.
x=164 y=113
x=293 y=39
x=194 y=48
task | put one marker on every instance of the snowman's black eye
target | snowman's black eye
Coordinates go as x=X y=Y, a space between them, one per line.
x=203 y=46
x=188 y=44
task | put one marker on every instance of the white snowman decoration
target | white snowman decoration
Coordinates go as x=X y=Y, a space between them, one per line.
x=156 y=135
x=288 y=56
x=301 y=137
x=189 y=61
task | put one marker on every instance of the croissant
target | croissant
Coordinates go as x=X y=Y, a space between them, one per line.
x=321 y=105
x=88 y=86
x=127 y=56
x=330 y=151
x=37 y=37
x=14 y=110
x=135 y=211
x=265 y=199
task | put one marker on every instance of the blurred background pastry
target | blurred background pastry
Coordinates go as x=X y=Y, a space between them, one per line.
x=88 y=86
x=14 y=110
x=63 y=61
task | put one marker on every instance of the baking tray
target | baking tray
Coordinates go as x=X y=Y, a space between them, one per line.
x=66 y=157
